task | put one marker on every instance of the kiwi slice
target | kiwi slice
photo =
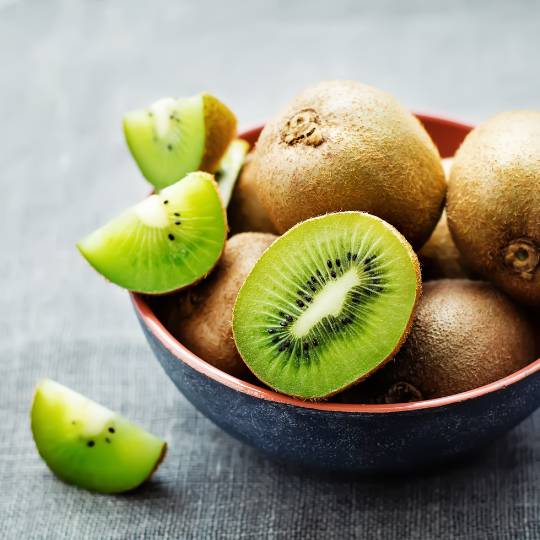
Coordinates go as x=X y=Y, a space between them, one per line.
x=85 y=444
x=174 y=137
x=329 y=302
x=229 y=168
x=164 y=243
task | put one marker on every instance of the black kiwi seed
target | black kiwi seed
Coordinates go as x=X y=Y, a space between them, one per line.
x=344 y=321
x=315 y=342
x=271 y=331
x=165 y=202
x=282 y=348
x=308 y=298
x=376 y=281
x=111 y=430
x=300 y=303
x=367 y=268
x=90 y=443
x=332 y=273
x=287 y=342
x=329 y=263
x=300 y=293
x=313 y=278
x=354 y=257
x=349 y=256
x=281 y=314
x=338 y=262
x=355 y=301
x=283 y=323
x=312 y=287
x=289 y=318
x=171 y=236
x=177 y=214
x=276 y=339
x=306 y=346
x=177 y=222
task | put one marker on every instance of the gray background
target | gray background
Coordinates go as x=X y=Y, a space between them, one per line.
x=68 y=70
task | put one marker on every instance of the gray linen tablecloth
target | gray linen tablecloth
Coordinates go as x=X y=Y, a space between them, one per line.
x=69 y=69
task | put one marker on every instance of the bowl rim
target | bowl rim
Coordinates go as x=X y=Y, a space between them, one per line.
x=150 y=320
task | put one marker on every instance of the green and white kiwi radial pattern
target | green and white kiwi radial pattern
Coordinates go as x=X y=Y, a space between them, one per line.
x=85 y=444
x=174 y=137
x=164 y=243
x=329 y=302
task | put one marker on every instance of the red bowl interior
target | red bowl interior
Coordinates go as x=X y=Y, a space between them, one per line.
x=447 y=135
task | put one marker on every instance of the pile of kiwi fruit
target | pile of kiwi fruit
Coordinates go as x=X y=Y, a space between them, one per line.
x=298 y=264
x=340 y=258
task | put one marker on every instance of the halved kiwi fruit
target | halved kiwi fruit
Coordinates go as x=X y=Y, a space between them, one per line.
x=174 y=137
x=229 y=168
x=164 y=243
x=85 y=444
x=329 y=302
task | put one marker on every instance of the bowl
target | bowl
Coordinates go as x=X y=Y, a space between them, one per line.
x=353 y=438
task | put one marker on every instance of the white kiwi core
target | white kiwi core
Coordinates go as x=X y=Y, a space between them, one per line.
x=150 y=212
x=161 y=112
x=328 y=302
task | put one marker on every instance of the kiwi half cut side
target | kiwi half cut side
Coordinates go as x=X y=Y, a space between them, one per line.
x=164 y=243
x=328 y=303
x=174 y=137
x=85 y=444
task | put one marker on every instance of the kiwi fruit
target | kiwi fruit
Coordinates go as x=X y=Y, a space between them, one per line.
x=166 y=242
x=203 y=321
x=465 y=334
x=329 y=302
x=229 y=168
x=494 y=203
x=87 y=445
x=342 y=145
x=174 y=137
x=245 y=212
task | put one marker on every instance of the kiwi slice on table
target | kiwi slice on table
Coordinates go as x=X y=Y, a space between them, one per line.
x=85 y=444
x=229 y=168
x=329 y=302
x=174 y=137
x=164 y=243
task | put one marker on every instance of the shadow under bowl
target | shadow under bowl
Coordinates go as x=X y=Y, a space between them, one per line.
x=354 y=438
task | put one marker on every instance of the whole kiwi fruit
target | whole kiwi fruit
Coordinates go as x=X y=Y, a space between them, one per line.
x=494 y=202
x=245 y=212
x=465 y=334
x=203 y=321
x=342 y=145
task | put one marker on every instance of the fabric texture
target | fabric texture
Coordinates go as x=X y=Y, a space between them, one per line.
x=69 y=71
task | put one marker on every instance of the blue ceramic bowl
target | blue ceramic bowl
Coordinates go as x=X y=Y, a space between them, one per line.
x=355 y=438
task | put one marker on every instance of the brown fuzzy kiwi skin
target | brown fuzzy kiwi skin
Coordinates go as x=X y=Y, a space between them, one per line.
x=494 y=203
x=465 y=334
x=220 y=131
x=245 y=211
x=362 y=151
x=418 y=294
x=204 y=323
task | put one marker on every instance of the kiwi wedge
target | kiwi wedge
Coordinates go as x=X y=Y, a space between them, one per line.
x=174 y=137
x=85 y=444
x=164 y=243
x=229 y=168
x=329 y=302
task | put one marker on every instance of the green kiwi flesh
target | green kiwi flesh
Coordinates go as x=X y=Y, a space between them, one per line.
x=229 y=168
x=465 y=334
x=87 y=445
x=174 y=137
x=329 y=302
x=164 y=243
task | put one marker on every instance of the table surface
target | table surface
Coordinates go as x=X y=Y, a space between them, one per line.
x=69 y=69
